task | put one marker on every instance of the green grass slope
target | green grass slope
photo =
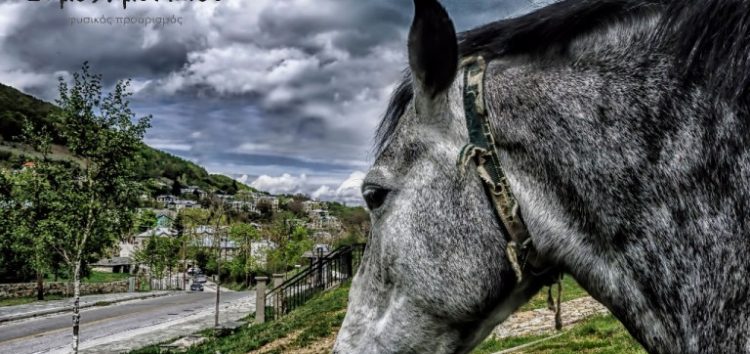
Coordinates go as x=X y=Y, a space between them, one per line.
x=312 y=328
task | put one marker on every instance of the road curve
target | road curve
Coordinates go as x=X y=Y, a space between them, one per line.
x=101 y=325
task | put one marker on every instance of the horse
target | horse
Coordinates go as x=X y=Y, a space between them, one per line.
x=621 y=127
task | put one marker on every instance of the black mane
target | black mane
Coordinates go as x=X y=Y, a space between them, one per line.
x=551 y=26
x=709 y=40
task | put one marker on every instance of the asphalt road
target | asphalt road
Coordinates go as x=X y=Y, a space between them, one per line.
x=54 y=333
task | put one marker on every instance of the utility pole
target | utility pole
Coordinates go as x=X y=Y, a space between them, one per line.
x=218 y=286
x=184 y=262
x=219 y=212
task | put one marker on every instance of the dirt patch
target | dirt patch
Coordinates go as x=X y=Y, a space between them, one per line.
x=279 y=344
x=322 y=346
x=542 y=321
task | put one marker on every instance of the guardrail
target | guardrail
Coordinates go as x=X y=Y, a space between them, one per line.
x=325 y=272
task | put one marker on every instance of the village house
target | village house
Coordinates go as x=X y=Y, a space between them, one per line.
x=310 y=205
x=28 y=165
x=244 y=206
x=166 y=199
x=164 y=218
x=259 y=250
x=273 y=201
x=182 y=204
x=319 y=250
x=322 y=220
x=193 y=190
x=292 y=223
x=113 y=265
x=226 y=198
x=206 y=237
x=174 y=203
x=129 y=247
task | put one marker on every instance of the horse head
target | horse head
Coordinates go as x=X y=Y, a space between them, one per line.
x=622 y=129
x=435 y=265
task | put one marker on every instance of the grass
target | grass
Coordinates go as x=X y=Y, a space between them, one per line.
x=235 y=286
x=322 y=316
x=571 y=291
x=317 y=319
x=600 y=335
x=103 y=277
x=28 y=300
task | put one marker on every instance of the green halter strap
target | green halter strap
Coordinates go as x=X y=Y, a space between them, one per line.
x=482 y=149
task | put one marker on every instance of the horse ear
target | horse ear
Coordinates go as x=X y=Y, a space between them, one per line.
x=433 y=47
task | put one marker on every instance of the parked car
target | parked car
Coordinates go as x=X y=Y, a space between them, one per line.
x=196 y=287
x=194 y=270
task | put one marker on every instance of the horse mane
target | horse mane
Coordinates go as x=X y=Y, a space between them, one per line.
x=708 y=39
x=711 y=43
x=551 y=26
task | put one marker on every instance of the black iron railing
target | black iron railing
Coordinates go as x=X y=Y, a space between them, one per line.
x=325 y=272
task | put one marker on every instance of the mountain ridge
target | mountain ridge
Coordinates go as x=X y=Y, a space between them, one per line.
x=17 y=106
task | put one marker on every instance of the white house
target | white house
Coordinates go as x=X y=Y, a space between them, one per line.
x=128 y=249
x=322 y=220
x=166 y=199
x=228 y=247
x=259 y=250
x=310 y=205
x=273 y=201
x=194 y=190
x=182 y=204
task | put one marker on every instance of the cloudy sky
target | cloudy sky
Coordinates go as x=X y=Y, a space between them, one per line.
x=283 y=95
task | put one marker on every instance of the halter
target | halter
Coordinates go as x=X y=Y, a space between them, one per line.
x=482 y=149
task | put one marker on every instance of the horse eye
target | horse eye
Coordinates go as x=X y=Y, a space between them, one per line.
x=374 y=196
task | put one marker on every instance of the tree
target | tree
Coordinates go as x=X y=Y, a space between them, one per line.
x=291 y=241
x=297 y=207
x=265 y=208
x=232 y=189
x=34 y=188
x=31 y=236
x=184 y=240
x=160 y=254
x=216 y=215
x=176 y=187
x=146 y=221
x=98 y=198
x=244 y=263
x=14 y=263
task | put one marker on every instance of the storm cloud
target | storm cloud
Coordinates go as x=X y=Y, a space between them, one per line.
x=261 y=90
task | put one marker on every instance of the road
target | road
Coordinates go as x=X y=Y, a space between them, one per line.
x=135 y=323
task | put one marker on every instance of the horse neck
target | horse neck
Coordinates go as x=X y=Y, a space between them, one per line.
x=641 y=198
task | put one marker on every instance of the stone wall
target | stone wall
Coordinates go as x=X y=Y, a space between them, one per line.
x=61 y=288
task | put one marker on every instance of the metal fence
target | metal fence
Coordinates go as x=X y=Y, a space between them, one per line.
x=325 y=272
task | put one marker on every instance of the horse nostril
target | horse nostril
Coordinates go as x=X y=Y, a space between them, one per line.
x=374 y=196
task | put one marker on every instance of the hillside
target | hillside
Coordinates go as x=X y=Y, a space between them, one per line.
x=155 y=165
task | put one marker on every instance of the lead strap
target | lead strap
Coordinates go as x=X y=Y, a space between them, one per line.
x=557 y=307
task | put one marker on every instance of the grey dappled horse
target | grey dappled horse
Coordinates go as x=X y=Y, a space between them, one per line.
x=622 y=128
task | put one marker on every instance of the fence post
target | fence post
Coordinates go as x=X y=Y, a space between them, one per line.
x=278 y=306
x=348 y=263
x=260 y=299
x=320 y=283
